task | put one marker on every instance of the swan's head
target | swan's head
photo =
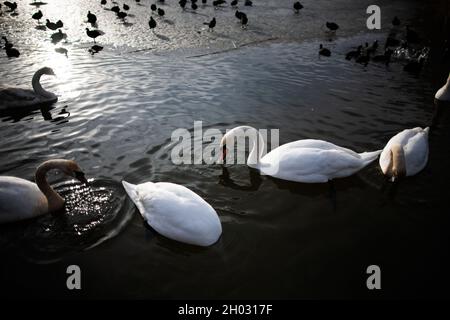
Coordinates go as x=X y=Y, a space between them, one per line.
x=47 y=71
x=72 y=169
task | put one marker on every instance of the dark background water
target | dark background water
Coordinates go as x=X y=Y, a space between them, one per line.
x=117 y=111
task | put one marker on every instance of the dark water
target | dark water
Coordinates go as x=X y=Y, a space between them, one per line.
x=115 y=115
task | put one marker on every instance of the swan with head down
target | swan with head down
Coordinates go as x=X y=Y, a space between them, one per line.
x=307 y=161
x=21 y=199
x=15 y=98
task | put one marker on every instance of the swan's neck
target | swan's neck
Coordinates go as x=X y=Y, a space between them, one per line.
x=397 y=165
x=55 y=201
x=257 y=149
x=37 y=85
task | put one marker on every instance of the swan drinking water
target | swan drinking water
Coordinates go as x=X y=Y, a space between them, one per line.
x=176 y=212
x=21 y=199
x=26 y=98
x=308 y=161
x=406 y=153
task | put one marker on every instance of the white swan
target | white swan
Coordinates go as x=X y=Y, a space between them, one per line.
x=443 y=94
x=308 y=161
x=26 y=98
x=21 y=199
x=406 y=153
x=176 y=212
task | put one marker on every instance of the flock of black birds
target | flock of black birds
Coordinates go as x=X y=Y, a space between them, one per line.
x=362 y=54
x=393 y=46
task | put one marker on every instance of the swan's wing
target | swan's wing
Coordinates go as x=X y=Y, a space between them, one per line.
x=180 y=214
x=20 y=199
x=315 y=144
x=311 y=165
x=17 y=94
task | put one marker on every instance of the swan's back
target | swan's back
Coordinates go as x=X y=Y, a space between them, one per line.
x=313 y=161
x=415 y=147
x=20 y=199
x=176 y=212
x=21 y=98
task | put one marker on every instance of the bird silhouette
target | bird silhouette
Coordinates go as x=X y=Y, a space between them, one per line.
x=93 y=33
x=92 y=18
x=37 y=16
x=332 y=26
x=324 y=51
x=11 y=5
x=152 y=23
x=161 y=12
x=211 y=24
x=297 y=6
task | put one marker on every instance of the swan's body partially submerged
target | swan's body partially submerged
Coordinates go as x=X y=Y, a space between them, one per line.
x=15 y=98
x=21 y=199
x=176 y=212
x=406 y=153
x=307 y=161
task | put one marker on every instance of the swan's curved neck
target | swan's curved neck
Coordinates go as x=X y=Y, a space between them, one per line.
x=55 y=201
x=397 y=166
x=35 y=82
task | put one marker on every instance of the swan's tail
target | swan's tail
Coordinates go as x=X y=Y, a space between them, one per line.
x=368 y=157
x=131 y=190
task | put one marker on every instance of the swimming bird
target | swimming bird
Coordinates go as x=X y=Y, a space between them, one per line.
x=138 y=1
x=248 y=3
x=122 y=15
x=26 y=98
x=62 y=51
x=152 y=23
x=211 y=24
x=58 y=36
x=59 y=24
x=332 y=26
x=217 y=3
x=37 y=16
x=161 y=12
x=11 y=5
x=297 y=6
x=204 y=1
x=10 y=51
x=443 y=94
x=308 y=161
x=115 y=9
x=396 y=21
x=95 y=49
x=54 y=26
x=244 y=20
x=21 y=199
x=406 y=154
x=386 y=57
x=194 y=6
x=153 y=7
x=324 y=51
x=354 y=53
x=92 y=18
x=234 y=3
x=93 y=33
x=126 y=7
x=176 y=212
x=182 y=4
x=238 y=14
x=103 y=2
